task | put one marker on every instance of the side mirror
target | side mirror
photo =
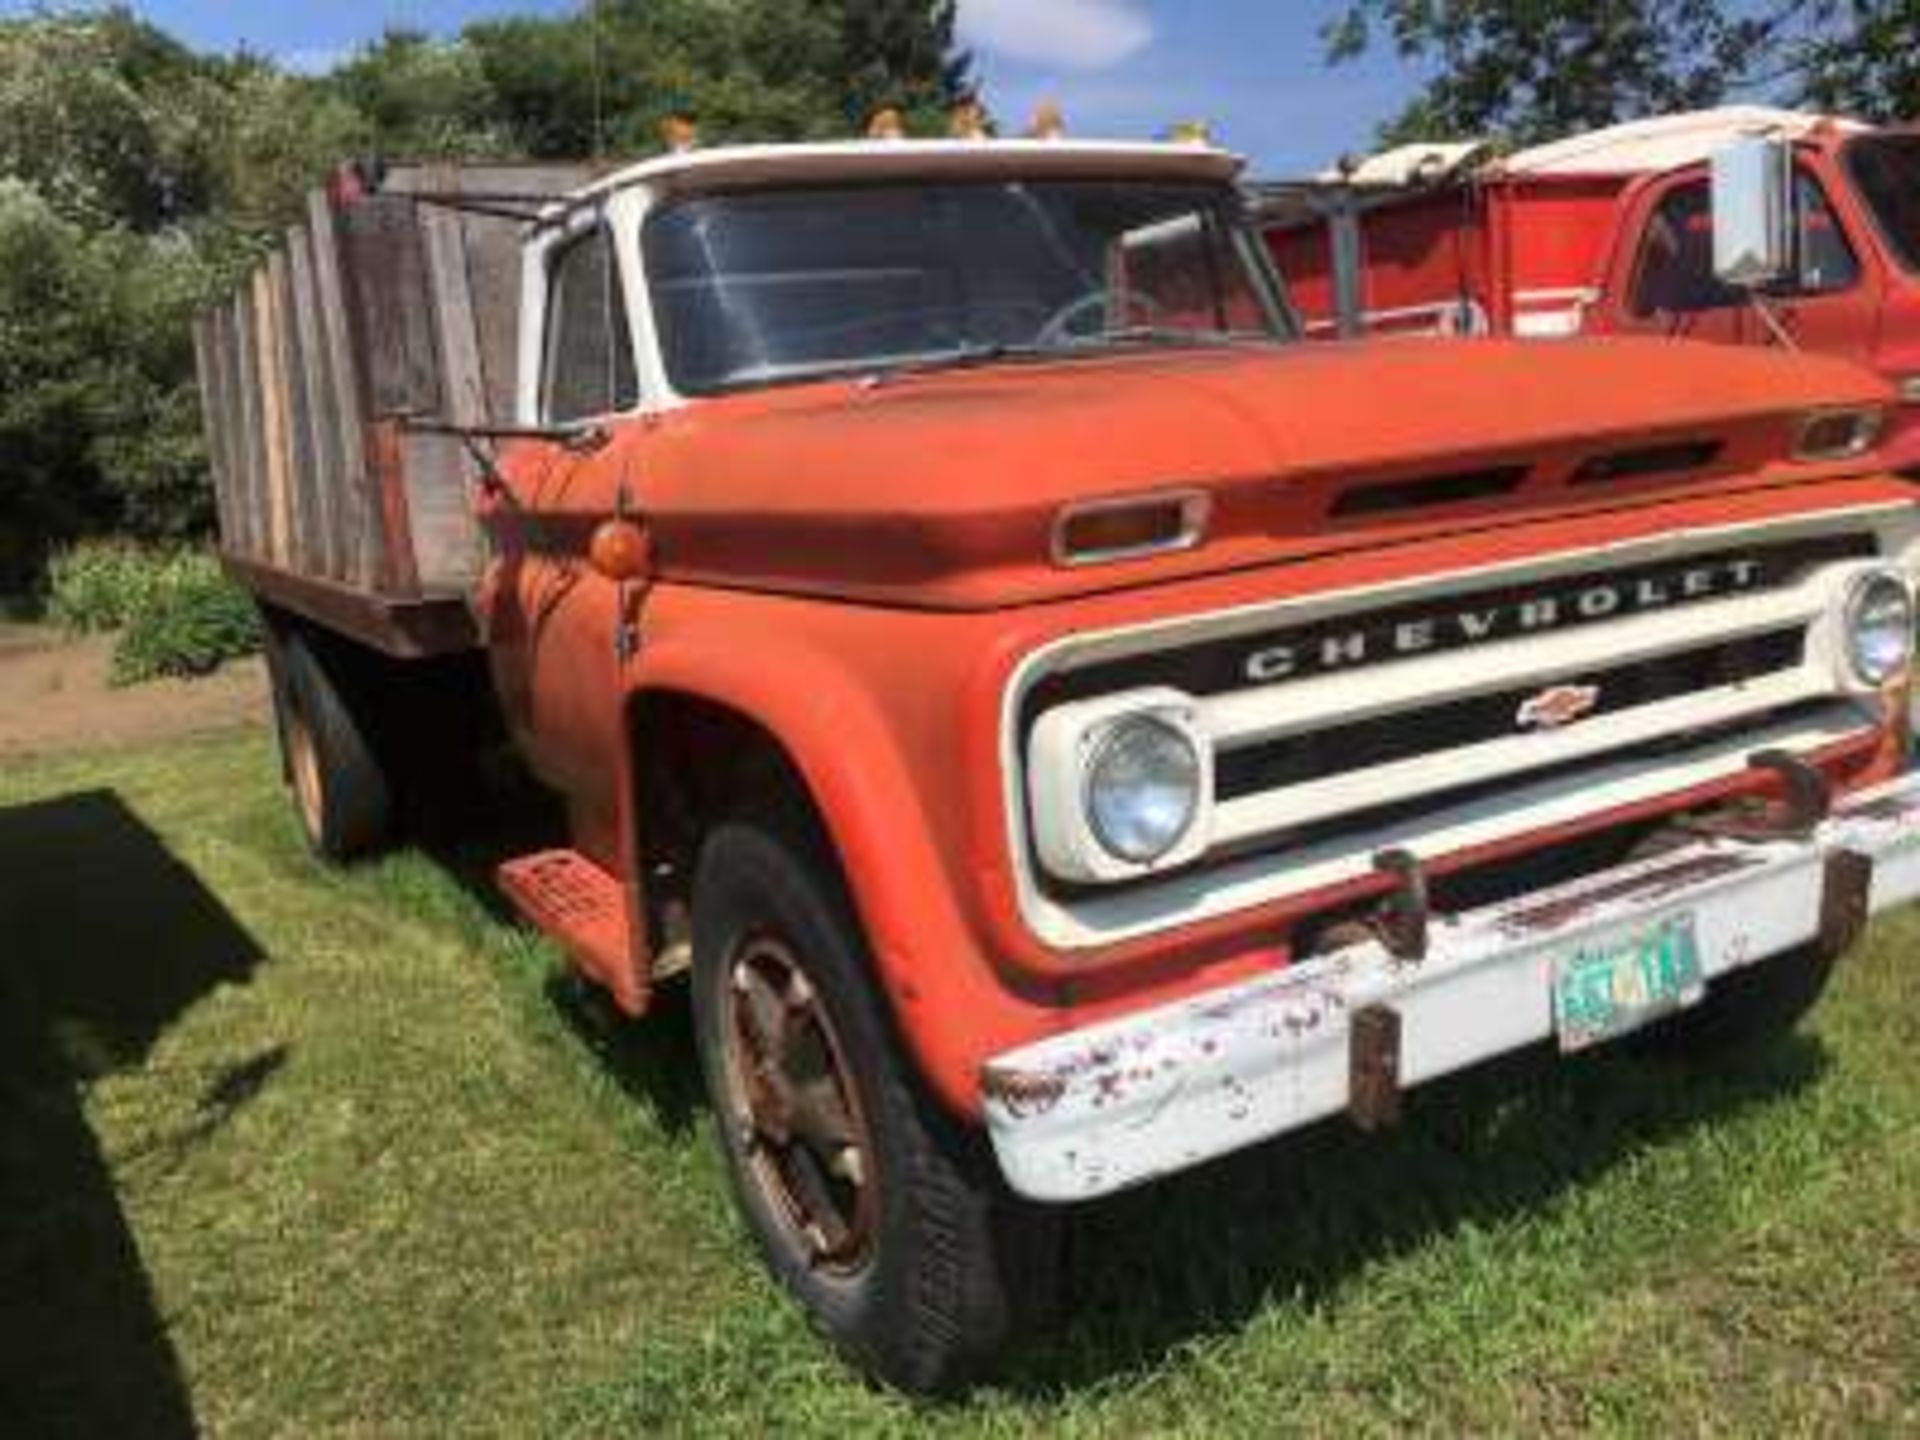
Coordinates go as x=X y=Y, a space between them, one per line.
x=1753 y=212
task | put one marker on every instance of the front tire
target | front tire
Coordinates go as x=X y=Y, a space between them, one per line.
x=879 y=1212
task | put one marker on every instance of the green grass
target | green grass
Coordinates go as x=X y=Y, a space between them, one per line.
x=287 y=1151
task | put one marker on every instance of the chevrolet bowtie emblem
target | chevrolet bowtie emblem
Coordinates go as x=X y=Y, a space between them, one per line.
x=1559 y=707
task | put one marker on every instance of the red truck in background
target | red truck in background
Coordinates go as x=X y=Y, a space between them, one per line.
x=1614 y=233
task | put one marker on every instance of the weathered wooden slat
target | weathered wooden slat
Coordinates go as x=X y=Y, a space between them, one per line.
x=318 y=443
x=361 y=531
x=252 y=426
x=273 y=419
x=305 y=550
x=388 y=298
x=439 y=513
x=441 y=478
x=493 y=265
x=239 y=431
x=206 y=365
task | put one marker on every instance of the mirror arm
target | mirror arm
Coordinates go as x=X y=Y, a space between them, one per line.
x=1772 y=321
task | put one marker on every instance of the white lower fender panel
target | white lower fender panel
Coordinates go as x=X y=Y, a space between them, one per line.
x=1116 y=1104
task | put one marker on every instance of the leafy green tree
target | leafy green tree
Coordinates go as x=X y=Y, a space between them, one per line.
x=1862 y=58
x=139 y=179
x=419 y=96
x=99 y=425
x=1546 y=68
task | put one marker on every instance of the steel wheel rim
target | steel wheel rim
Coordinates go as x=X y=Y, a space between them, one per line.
x=303 y=759
x=797 y=1112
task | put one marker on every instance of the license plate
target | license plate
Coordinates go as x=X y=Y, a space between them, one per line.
x=1609 y=989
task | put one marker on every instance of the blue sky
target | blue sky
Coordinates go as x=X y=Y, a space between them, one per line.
x=1252 y=68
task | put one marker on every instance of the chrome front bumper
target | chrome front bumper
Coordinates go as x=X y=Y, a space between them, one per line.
x=1113 y=1105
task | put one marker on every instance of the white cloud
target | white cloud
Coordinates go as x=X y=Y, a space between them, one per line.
x=1070 y=34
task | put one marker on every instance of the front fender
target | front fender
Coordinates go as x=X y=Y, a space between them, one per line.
x=951 y=1006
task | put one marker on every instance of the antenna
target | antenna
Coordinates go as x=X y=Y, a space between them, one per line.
x=604 y=237
x=598 y=66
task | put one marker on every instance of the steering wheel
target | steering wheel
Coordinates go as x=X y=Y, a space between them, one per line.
x=1062 y=326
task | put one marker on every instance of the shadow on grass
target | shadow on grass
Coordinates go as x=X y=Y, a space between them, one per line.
x=1203 y=1252
x=105 y=940
x=506 y=814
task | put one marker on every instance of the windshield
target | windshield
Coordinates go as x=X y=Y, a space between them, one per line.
x=1886 y=170
x=761 y=286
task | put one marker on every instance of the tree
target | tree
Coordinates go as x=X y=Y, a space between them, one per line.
x=139 y=179
x=1865 y=60
x=1545 y=68
x=421 y=96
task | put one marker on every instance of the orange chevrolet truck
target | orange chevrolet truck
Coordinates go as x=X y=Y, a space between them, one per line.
x=1059 y=728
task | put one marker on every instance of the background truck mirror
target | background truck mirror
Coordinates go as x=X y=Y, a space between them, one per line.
x=1753 y=212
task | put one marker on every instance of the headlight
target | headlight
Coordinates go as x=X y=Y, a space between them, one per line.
x=1879 y=627
x=1142 y=789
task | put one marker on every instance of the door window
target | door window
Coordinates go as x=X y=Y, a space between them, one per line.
x=1675 y=271
x=588 y=366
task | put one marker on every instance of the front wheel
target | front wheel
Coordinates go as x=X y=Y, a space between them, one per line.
x=882 y=1215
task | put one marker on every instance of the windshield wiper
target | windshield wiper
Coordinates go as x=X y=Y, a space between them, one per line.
x=1171 y=335
x=965 y=357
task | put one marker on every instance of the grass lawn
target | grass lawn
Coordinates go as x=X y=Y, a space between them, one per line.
x=288 y=1151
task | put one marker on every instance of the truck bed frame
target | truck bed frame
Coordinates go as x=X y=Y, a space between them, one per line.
x=336 y=378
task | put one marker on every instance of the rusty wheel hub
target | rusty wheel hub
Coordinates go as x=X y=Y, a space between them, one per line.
x=797 y=1107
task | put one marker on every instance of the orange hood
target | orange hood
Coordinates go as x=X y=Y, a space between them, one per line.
x=941 y=490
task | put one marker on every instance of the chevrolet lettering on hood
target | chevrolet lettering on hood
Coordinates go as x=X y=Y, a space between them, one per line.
x=1404 y=634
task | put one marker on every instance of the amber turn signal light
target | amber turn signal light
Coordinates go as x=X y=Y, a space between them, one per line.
x=621 y=551
x=1129 y=529
x=1838 y=434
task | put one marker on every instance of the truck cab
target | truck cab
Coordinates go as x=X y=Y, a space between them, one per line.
x=1059 y=727
x=1613 y=232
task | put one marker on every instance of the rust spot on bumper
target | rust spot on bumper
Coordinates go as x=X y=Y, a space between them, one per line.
x=1648 y=888
x=1023 y=1093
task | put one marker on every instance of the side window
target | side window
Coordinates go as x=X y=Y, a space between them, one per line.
x=1675 y=273
x=588 y=367
x=1827 y=261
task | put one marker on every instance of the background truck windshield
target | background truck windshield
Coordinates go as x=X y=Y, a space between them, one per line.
x=1887 y=170
x=757 y=287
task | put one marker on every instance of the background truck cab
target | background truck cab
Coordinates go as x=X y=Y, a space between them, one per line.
x=1613 y=233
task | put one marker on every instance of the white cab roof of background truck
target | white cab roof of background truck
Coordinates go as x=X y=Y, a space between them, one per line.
x=1638 y=147
x=857 y=160
x=1667 y=142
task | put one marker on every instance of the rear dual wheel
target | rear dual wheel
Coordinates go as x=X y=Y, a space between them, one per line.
x=881 y=1214
x=340 y=789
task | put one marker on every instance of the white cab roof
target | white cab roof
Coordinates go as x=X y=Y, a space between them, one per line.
x=856 y=160
x=1666 y=143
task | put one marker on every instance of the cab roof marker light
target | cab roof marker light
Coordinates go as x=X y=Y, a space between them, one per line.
x=968 y=120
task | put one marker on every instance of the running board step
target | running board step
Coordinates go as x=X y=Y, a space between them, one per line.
x=565 y=895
